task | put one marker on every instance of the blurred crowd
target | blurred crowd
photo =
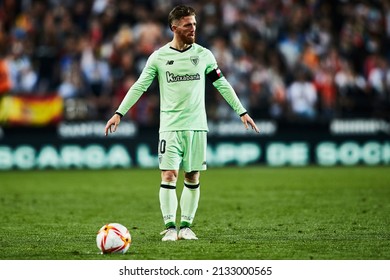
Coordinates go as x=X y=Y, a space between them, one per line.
x=289 y=60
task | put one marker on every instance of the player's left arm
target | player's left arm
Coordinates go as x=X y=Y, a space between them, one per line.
x=228 y=93
x=248 y=121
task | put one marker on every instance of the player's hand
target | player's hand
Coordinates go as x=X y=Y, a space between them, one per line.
x=112 y=124
x=247 y=121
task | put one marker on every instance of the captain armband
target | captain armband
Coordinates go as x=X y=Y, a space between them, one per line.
x=214 y=75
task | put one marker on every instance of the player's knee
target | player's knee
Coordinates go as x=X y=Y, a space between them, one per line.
x=192 y=177
x=169 y=175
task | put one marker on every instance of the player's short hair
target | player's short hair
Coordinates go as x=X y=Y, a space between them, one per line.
x=179 y=12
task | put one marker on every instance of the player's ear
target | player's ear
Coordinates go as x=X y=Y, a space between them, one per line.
x=173 y=25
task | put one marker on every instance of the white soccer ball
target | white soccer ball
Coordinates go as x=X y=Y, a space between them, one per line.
x=113 y=238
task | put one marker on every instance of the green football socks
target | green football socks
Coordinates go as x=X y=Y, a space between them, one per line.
x=168 y=203
x=189 y=203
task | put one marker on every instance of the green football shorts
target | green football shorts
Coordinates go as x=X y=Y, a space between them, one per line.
x=182 y=149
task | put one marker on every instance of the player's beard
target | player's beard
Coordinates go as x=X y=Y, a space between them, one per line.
x=186 y=39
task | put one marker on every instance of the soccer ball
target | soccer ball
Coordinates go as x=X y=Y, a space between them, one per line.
x=113 y=238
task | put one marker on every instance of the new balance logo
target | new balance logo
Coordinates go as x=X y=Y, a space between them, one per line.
x=169 y=62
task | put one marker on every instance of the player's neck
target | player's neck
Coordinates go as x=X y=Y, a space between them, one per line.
x=179 y=45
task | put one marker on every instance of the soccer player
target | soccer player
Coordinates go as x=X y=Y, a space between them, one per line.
x=181 y=67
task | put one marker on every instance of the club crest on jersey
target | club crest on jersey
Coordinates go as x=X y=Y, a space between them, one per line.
x=194 y=60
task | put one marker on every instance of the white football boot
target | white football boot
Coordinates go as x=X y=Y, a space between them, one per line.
x=187 y=234
x=170 y=234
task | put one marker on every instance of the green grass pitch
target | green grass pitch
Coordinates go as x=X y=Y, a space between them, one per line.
x=244 y=213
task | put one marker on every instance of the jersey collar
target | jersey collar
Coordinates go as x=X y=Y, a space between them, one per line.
x=181 y=50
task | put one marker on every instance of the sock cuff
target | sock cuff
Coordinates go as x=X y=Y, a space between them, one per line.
x=168 y=185
x=170 y=225
x=191 y=185
x=184 y=224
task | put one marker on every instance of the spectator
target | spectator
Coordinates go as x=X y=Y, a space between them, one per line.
x=351 y=87
x=5 y=81
x=22 y=74
x=327 y=92
x=97 y=73
x=73 y=84
x=291 y=48
x=302 y=97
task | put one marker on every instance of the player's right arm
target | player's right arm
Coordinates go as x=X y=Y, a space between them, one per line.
x=140 y=86
x=133 y=94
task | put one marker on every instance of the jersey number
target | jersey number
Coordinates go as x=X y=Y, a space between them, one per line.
x=162 y=146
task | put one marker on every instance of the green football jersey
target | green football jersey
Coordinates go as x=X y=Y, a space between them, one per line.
x=181 y=77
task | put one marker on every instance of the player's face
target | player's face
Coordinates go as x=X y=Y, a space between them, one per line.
x=185 y=29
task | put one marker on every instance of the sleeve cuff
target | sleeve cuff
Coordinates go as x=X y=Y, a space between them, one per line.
x=119 y=114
